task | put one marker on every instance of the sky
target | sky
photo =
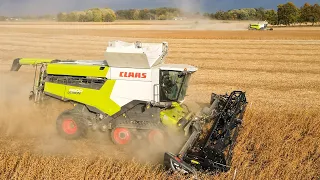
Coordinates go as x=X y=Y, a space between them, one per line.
x=39 y=7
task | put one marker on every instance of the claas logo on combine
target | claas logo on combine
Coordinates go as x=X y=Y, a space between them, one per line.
x=133 y=75
x=75 y=91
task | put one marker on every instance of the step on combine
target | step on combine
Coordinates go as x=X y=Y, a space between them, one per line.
x=133 y=94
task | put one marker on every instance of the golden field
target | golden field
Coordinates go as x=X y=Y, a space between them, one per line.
x=279 y=70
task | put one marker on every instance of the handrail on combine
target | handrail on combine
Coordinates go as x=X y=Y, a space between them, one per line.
x=17 y=63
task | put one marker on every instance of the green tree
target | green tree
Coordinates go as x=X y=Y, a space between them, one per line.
x=260 y=14
x=281 y=12
x=73 y=16
x=233 y=13
x=306 y=13
x=316 y=13
x=170 y=15
x=121 y=14
x=108 y=15
x=62 y=17
x=219 y=15
x=162 y=17
x=127 y=14
x=152 y=16
x=144 y=14
x=97 y=15
x=293 y=12
x=252 y=12
x=271 y=16
x=243 y=14
x=136 y=14
x=89 y=16
x=230 y=16
x=82 y=16
x=111 y=16
x=287 y=13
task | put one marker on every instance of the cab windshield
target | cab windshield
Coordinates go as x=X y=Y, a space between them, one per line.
x=173 y=85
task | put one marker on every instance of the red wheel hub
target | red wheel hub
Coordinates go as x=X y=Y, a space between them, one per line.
x=156 y=136
x=121 y=135
x=69 y=126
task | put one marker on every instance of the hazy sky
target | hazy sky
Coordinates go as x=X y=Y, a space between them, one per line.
x=36 y=7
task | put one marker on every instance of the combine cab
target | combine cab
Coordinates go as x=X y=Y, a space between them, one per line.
x=134 y=95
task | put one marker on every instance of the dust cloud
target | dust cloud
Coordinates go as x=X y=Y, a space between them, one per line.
x=200 y=22
x=26 y=123
x=188 y=5
x=19 y=117
x=31 y=125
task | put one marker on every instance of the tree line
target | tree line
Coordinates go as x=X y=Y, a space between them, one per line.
x=243 y=14
x=163 y=13
x=286 y=14
x=90 y=15
x=108 y=15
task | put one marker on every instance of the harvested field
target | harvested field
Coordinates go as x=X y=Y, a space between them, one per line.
x=279 y=70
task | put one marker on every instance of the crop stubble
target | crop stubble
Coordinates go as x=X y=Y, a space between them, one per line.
x=280 y=73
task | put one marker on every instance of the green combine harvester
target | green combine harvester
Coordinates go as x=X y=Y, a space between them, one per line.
x=259 y=26
x=133 y=95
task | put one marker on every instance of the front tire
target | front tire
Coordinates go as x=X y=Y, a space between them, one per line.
x=70 y=125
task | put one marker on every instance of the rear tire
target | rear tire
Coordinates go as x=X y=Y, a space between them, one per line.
x=156 y=137
x=121 y=136
x=70 y=125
